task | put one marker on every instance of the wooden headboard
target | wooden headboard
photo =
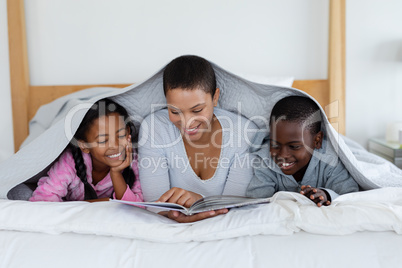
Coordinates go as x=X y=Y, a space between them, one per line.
x=26 y=99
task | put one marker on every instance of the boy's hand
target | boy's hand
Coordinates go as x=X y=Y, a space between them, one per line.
x=318 y=196
x=179 y=196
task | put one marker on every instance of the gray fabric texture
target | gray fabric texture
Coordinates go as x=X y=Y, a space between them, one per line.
x=55 y=124
x=169 y=166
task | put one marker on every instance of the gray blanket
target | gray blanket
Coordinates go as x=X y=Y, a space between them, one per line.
x=55 y=123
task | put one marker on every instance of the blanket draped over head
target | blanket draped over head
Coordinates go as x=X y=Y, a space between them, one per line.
x=54 y=125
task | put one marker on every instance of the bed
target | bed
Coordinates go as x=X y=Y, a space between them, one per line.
x=361 y=229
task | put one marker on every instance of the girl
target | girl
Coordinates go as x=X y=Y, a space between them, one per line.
x=98 y=161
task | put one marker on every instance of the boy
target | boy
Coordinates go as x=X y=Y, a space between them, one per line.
x=303 y=160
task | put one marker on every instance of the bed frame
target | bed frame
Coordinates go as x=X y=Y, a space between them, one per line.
x=26 y=99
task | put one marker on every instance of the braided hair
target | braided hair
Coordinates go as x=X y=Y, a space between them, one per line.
x=102 y=107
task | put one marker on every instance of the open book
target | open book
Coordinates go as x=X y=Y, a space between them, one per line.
x=204 y=204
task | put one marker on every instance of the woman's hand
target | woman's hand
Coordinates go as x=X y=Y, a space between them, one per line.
x=318 y=196
x=186 y=198
x=179 y=196
x=182 y=218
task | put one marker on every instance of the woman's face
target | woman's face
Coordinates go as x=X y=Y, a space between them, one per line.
x=191 y=111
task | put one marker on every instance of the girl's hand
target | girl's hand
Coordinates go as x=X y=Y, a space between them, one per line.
x=127 y=161
x=318 y=196
x=179 y=196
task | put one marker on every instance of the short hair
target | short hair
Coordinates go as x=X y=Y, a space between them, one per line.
x=298 y=109
x=189 y=72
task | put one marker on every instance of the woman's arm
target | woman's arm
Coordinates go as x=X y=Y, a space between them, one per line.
x=152 y=162
x=241 y=169
x=239 y=176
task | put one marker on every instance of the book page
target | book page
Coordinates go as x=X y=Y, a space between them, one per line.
x=224 y=201
x=160 y=205
x=204 y=204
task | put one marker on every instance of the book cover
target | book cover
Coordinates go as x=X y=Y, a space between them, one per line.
x=204 y=204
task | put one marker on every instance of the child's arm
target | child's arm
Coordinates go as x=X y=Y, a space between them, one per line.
x=54 y=186
x=135 y=193
x=263 y=183
x=119 y=184
x=340 y=181
x=121 y=189
x=49 y=189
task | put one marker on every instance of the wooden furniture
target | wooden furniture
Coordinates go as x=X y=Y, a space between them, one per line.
x=391 y=151
x=26 y=99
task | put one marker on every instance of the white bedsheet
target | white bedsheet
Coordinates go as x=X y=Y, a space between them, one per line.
x=288 y=213
x=358 y=230
x=363 y=249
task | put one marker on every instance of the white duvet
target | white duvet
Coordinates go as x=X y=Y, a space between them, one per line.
x=288 y=213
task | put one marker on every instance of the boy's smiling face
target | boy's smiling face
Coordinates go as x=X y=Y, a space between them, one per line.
x=291 y=147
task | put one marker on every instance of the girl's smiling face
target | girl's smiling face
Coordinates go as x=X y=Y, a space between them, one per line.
x=106 y=141
x=291 y=147
x=192 y=111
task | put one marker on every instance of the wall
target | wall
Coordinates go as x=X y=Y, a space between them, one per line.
x=373 y=67
x=125 y=41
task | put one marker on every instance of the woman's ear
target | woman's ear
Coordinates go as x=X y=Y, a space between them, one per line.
x=83 y=146
x=318 y=140
x=216 y=97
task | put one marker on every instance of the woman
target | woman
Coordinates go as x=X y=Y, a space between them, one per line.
x=192 y=149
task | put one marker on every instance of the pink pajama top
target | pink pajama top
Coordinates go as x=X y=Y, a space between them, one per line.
x=63 y=184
